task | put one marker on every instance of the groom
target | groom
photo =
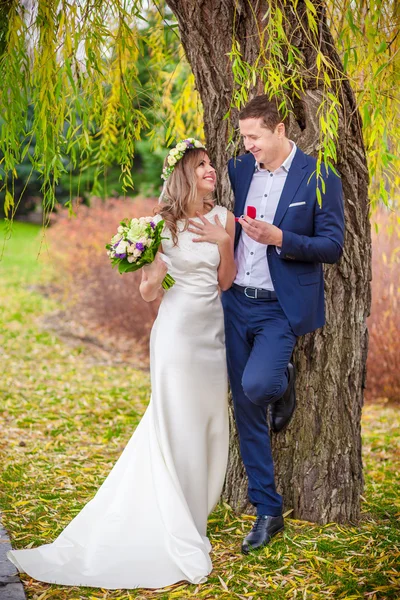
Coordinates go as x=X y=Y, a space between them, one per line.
x=278 y=293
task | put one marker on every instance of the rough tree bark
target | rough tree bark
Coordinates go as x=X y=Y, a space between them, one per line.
x=318 y=458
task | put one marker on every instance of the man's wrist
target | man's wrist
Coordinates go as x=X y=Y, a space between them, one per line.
x=278 y=238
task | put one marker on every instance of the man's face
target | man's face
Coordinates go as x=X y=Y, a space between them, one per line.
x=264 y=144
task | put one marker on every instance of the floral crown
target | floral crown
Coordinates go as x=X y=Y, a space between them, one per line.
x=177 y=153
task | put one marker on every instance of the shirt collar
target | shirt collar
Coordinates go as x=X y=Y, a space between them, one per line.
x=286 y=163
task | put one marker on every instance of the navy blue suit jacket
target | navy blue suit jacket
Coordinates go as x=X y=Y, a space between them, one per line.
x=312 y=235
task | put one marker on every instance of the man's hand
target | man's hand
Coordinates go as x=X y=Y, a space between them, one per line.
x=262 y=232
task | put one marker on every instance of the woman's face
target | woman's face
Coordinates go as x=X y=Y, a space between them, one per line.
x=205 y=175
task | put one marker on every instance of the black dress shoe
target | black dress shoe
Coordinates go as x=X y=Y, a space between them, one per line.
x=282 y=410
x=264 y=528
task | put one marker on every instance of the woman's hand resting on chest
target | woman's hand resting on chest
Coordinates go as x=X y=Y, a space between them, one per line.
x=215 y=233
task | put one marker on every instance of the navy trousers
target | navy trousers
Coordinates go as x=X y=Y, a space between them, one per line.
x=259 y=344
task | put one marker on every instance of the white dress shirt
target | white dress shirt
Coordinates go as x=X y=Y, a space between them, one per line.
x=264 y=193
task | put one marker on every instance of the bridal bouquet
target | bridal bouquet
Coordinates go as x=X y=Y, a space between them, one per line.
x=136 y=244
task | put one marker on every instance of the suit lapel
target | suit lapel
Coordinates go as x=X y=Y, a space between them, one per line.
x=296 y=174
x=244 y=174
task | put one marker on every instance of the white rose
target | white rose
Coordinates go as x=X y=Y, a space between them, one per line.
x=137 y=230
x=131 y=259
x=181 y=147
x=171 y=160
x=120 y=229
x=174 y=152
x=136 y=253
x=198 y=144
x=117 y=238
x=130 y=249
x=121 y=248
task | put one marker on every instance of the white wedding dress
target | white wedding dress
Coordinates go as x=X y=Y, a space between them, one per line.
x=146 y=526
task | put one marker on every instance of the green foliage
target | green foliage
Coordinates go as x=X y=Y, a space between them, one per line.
x=116 y=85
x=104 y=77
x=20 y=264
x=5 y=7
x=368 y=41
x=367 y=37
x=79 y=71
x=280 y=68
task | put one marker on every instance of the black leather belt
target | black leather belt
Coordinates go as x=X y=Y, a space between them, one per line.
x=255 y=293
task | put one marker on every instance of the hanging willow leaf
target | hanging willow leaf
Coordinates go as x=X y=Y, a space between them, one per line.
x=76 y=65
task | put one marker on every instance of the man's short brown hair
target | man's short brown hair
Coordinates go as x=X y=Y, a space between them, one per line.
x=262 y=108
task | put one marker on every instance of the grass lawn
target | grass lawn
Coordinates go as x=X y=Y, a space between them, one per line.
x=66 y=416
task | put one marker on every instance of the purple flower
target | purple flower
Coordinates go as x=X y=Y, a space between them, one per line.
x=140 y=246
x=152 y=224
x=121 y=255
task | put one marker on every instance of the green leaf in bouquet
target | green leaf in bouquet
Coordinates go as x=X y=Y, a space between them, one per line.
x=115 y=262
x=149 y=254
x=125 y=267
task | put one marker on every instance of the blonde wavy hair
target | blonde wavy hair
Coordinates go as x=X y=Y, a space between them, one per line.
x=180 y=192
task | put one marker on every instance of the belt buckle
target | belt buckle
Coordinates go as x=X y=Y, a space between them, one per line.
x=255 y=293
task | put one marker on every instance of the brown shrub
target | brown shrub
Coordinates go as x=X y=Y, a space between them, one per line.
x=111 y=303
x=383 y=365
x=98 y=295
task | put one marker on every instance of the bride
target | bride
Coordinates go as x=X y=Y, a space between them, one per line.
x=146 y=526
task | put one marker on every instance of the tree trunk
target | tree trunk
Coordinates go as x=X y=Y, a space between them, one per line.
x=318 y=458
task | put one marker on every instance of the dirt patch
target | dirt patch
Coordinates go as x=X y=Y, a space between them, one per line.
x=98 y=347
